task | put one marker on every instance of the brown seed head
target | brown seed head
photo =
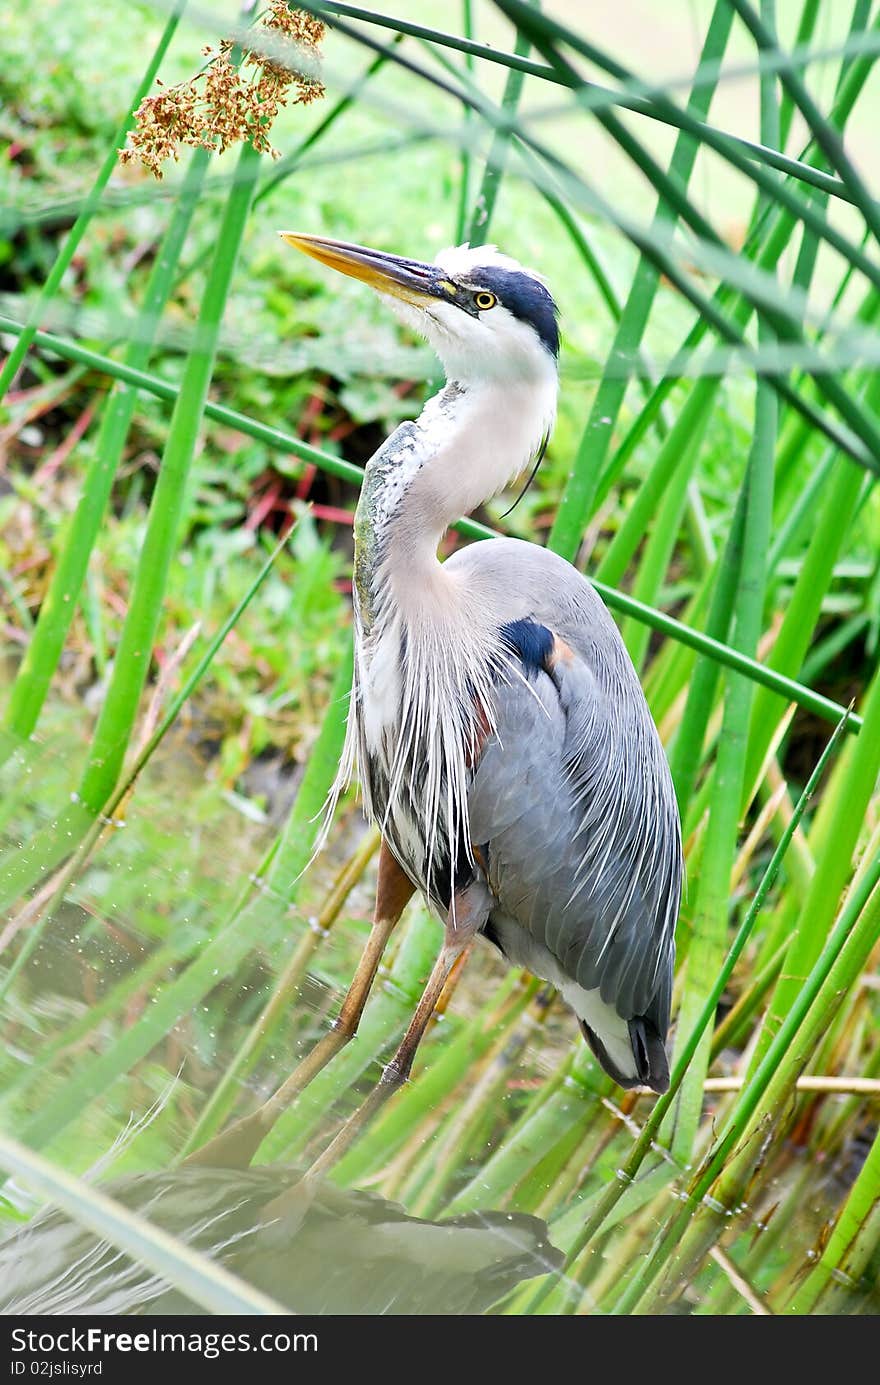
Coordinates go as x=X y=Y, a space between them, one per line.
x=227 y=103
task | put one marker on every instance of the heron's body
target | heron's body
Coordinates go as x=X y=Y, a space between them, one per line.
x=497 y=725
x=498 y=728
x=530 y=716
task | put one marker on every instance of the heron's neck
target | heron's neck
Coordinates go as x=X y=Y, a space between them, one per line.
x=469 y=441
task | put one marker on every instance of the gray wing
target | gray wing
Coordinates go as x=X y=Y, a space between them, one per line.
x=573 y=804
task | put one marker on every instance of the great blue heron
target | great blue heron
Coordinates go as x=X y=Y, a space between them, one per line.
x=502 y=739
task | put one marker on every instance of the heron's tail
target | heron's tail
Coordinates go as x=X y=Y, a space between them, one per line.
x=649 y=1056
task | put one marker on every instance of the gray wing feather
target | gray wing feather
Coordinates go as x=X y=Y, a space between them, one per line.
x=573 y=799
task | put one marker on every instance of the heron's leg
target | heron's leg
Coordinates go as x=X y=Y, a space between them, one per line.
x=394 y=890
x=467 y=914
x=237 y=1145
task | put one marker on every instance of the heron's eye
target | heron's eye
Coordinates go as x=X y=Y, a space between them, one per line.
x=484 y=301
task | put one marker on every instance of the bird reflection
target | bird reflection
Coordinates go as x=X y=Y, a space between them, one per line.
x=314 y=1248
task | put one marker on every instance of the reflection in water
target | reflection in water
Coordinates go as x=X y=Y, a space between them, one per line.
x=329 y=1250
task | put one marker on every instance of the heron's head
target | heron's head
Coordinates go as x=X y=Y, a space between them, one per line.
x=486 y=316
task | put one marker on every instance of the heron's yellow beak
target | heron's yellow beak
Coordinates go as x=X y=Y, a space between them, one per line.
x=410 y=280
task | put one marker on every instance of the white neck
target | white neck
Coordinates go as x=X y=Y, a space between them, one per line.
x=427 y=648
x=468 y=443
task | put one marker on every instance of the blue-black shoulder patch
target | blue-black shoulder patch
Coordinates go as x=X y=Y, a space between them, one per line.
x=531 y=641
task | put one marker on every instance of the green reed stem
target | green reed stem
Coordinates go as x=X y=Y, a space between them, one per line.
x=80 y=226
x=496 y=159
x=851 y=1244
x=464 y=186
x=713 y=886
x=160 y=542
x=822 y=130
x=848 y=796
x=579 y=494
x=769 y=1087
x=56 y=613
x=602 y=98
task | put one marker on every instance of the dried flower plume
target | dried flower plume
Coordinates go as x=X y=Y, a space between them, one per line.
x=224 y=103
